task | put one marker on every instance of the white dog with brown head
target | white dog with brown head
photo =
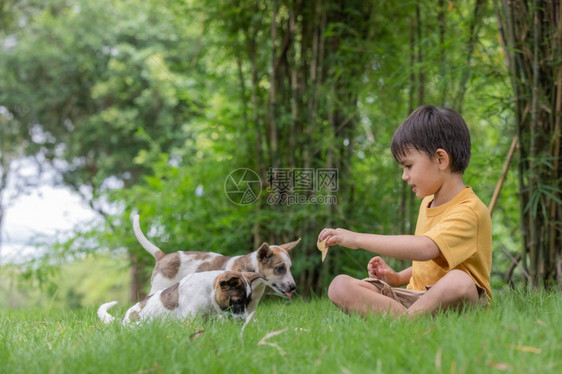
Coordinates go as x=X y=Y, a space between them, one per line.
x=272 y=262
x=202 y=294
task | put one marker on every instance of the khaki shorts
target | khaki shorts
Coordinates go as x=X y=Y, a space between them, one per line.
x=402 y=295
x=408 y=297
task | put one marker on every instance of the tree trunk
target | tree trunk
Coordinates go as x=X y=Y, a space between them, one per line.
x=139 y=279
x=531 y=33
x=477 y=15
x=311 y=113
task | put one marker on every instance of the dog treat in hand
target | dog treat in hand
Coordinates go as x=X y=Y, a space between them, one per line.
x=322 y=248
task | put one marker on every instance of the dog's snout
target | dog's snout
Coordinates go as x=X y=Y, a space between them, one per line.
x=237 y=306
x=292 y=287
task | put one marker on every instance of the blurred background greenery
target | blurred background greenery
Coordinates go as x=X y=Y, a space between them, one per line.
x=147 y=106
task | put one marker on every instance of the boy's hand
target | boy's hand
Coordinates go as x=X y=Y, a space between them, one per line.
x=342 y=237
x=377 y=268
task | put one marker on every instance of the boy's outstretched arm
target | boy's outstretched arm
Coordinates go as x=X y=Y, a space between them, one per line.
x=403 y=247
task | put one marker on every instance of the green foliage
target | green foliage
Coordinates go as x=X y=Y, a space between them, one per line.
x=96 y=99
x=77 y=284
x=151 y=115
x=518 y=334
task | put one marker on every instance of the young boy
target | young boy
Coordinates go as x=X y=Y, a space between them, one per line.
x=451 y=251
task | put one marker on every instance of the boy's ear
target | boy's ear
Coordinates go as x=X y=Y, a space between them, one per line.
x=443 y=158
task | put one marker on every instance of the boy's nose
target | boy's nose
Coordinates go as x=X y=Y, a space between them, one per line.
x=404 y=176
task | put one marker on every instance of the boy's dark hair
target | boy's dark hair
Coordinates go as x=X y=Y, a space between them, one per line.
x=429 y=128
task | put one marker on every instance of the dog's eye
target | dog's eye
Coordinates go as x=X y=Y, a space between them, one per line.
x=280 y=269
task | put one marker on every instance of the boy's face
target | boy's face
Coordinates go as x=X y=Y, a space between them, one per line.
x=422 y=173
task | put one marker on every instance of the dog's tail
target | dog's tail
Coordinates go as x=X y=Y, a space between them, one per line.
x=146 y=244
x=103 y=314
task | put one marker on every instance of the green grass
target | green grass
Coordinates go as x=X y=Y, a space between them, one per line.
x=520 y=333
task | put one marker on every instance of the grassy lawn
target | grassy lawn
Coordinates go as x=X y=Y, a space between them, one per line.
x=520 y=333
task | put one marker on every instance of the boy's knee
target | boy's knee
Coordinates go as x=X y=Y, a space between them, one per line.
x=338 y=287
x=463 y=285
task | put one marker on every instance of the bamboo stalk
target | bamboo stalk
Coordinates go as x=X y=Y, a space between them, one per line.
x=556 y=156
x=503 y=175
x=293 y=71
x=420 y=57
x=534 y=245
x=272 y=89
x=441 y=20
x=479 y=10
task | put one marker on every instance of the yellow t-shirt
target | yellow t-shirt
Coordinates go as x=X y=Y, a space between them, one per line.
x=462 y=229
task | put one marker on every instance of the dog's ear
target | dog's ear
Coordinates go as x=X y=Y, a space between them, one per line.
x=229 y=280
x=264 y=252
x=251 y=277
x=291 y=245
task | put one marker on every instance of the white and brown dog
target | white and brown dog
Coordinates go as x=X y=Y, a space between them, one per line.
x=197 y=295
x=272 y=262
